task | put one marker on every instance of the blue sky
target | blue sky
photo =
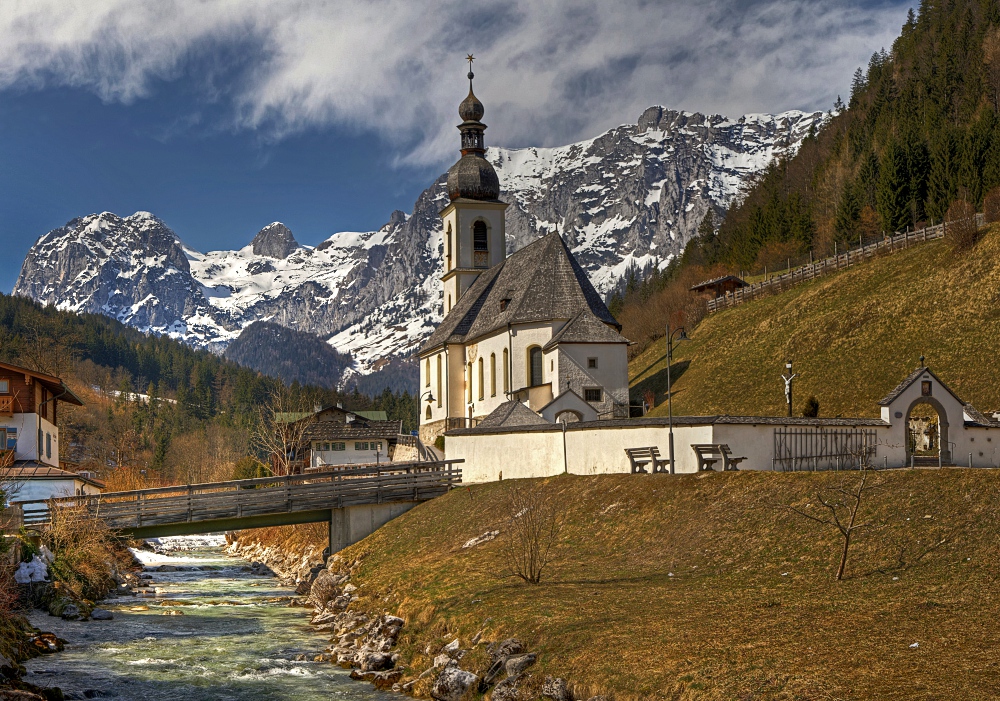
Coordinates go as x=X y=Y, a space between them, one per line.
x=221 y=116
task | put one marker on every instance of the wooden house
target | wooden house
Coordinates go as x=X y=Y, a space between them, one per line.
x=29 y=416
x=720 y=286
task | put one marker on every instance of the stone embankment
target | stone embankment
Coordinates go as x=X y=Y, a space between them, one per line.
x=366 y=641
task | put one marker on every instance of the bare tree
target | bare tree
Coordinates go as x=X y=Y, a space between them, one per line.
x=278 y=431
x=532 y=528
x=840 y=507
x=961 y=223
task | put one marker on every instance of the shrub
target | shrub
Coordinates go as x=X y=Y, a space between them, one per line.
x=439 y=443
x=249 y=467
x=811 y=408
x=87 y=555
x=961 y=225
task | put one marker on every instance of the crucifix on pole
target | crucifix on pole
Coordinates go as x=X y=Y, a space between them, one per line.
x=788 y=377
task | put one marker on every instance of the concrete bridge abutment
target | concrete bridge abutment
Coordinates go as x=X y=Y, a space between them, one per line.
x=350 y=524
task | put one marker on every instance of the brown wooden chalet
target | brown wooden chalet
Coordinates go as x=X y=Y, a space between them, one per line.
x=720 y=286
x=29 y=410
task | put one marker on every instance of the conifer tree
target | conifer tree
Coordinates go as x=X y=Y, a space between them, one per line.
x=893 y=193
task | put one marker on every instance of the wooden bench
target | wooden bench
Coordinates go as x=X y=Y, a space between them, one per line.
x=711 y=453
x=640 y=457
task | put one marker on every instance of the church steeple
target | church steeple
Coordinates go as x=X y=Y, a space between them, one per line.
x=475 y=238
x=472 y=177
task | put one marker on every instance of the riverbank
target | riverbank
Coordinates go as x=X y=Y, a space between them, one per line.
x=205 y=626
x=702 y=586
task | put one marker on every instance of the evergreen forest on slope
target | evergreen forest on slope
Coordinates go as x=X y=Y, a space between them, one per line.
x=921 y=130
x=158 y=411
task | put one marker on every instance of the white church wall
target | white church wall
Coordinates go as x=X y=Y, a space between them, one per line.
x=485 y=348
x=590 y=450
x=611 y=373
x=523 y=337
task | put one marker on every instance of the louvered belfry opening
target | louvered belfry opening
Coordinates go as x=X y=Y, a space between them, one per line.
x=480 y=245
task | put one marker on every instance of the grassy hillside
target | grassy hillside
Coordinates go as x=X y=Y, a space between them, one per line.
x=852 y=335
x=684 y=587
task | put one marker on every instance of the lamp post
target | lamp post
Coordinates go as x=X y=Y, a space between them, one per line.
x=670 y=399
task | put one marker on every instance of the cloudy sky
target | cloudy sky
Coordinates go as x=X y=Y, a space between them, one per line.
x=221 y=116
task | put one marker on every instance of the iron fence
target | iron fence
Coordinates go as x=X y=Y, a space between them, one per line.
x=811 y=448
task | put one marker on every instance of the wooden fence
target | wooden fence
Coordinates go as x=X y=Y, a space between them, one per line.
x=254 y=497
x=810 y=271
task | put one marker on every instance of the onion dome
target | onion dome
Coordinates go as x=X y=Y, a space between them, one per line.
x=471 y=109
x=472 y=177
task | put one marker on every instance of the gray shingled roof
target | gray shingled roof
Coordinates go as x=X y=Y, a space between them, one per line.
x=541 y=282
x=585 y=328
x=511 y=414
x=333 y=430
x=910 y=379
x=979 y=419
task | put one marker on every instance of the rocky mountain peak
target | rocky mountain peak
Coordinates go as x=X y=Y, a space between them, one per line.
x=274 y=241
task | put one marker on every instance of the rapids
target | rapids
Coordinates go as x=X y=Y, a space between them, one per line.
x=209 y=630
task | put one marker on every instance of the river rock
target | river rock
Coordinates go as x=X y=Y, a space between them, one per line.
x=507 y=690
x=555 y=689
x=14 y=695
x=505 y=648
x=453 y=684
x=370 y=661
x=381 y=680
x=8 y=668
x=46 y=643
x=101 y=615
x=518 y=663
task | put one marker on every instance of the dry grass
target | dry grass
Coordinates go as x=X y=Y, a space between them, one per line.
x=853 y=336
x=87 y=553
x=706 y=587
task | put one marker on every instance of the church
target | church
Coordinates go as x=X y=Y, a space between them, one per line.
x=525 y=338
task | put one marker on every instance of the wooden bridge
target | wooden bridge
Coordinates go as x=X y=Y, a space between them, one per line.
x=355 y=502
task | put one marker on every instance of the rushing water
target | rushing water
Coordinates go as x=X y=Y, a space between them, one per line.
x=211 y=631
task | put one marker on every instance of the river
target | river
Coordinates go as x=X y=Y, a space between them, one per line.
x=212 y=630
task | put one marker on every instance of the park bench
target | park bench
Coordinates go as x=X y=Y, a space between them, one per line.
x=711 y=453
x=640 y=457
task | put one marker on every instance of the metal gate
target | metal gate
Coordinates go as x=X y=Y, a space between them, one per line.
x=810 y=448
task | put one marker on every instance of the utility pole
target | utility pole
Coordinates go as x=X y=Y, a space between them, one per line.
x=788 y=377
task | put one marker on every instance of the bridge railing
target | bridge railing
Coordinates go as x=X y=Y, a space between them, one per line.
x=255 y=497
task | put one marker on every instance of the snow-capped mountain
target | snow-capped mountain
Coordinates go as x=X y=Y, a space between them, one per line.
x=632 y=196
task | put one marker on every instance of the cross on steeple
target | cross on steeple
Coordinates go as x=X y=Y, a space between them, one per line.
x=470 y=58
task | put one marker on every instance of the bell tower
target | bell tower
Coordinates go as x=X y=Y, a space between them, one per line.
x=474 y=235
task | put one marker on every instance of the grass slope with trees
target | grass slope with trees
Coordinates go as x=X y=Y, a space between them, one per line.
x=708 y=586
x=853 y=335
x=921 y=131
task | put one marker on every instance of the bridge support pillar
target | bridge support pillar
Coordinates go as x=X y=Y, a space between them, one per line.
x=350 y=524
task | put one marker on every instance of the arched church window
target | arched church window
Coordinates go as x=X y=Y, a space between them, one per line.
x=506 y=372
x=468 y=387
x=428 y=413
x=447 y=250
x=493 y=374
x=439 y=380
x=427 y=372
x=535 y=366
x=482 y=382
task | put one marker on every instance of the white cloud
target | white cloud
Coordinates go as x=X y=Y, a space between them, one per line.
x=549 y=71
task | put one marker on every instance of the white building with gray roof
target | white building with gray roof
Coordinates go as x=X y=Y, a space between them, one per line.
x=528 y=327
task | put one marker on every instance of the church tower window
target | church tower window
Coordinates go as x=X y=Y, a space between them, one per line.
x=480 y=244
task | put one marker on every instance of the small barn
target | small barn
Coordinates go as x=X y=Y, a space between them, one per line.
x=720 y=286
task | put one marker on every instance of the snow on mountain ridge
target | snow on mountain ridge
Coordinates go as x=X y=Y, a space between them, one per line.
x=632 y=196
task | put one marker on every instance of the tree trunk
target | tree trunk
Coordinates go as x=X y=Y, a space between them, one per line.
x=843 y=556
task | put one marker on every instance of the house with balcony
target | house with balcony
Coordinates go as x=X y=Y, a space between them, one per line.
x=30 y=404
